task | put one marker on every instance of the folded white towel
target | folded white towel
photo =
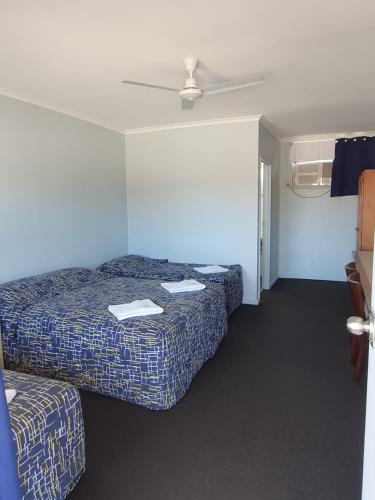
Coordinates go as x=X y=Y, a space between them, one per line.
x=134 y=309
x=10 y=394
x=211 y=269
x=183 y=286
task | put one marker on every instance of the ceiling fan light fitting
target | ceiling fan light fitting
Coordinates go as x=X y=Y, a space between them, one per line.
x=191 y=94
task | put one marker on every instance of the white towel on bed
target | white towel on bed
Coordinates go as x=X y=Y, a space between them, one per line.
x=211 y=269
x=10 y=394
x=183 y=286
x=135 y=309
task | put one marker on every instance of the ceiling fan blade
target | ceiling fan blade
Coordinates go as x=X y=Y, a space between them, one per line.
x=141 y=84
x=185 y=104
x=218 y=88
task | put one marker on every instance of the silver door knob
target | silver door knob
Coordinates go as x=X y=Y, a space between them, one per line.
x=357 y=326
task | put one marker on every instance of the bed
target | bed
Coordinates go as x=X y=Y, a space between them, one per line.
x=18 y=295
x=136 y=266
x=47 y=427
x=149 y=361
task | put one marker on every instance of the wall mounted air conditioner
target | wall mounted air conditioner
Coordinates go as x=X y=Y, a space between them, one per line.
x=312 y=174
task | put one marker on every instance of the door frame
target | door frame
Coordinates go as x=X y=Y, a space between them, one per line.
x=368 y=480
x=264 y=264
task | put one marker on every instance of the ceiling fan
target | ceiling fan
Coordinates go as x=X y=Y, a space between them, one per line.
x=192 y=92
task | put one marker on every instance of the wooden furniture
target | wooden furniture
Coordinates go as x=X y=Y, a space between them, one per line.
x=358 y=343
x=366 y=211
x=350 y=268
x=363 y=262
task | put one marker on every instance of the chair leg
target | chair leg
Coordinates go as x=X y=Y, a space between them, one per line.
x=358 y=367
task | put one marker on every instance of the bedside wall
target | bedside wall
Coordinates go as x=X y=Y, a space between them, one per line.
x=62 y=191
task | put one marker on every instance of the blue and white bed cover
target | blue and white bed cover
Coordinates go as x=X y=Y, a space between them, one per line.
x=48 y=432
x=72 y=336
x=136 y=266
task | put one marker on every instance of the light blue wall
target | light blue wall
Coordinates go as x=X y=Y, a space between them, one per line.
x=193 y=196
x=62 y=191
x=317 y=235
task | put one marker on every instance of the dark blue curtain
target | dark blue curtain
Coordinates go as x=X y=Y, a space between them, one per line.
x=352 y=156
x=9 y=483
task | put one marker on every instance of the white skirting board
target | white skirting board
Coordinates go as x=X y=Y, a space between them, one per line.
x=323 y=277
x=273 y=281
x=252 y=301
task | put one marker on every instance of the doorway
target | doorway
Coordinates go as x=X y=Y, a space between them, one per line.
x=264 y=227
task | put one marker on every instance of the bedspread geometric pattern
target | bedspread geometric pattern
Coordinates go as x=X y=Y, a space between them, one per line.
x=47 y=426
x=146 y=268
x=15 y=296
x=136 y=266
x=149 y=361
x=231 y=280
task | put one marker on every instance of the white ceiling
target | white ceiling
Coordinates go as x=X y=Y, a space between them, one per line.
x=317 y=58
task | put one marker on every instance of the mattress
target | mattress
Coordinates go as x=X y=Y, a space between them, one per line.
x=146 y=268
x=148 y=361
x=47 y=427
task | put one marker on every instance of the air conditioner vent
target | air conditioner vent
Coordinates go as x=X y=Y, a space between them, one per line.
x=312 y=174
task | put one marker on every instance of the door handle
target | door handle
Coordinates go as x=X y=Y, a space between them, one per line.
x=358 y=326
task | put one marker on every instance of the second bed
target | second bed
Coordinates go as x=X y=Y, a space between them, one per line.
x=136 y=266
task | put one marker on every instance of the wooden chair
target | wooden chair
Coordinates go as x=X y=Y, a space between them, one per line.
x=350 y=268
x=358 y=343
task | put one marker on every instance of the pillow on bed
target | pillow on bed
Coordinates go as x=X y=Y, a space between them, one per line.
x=27 y=291
x=135 y=266
x=146 y=259
x=130 y=262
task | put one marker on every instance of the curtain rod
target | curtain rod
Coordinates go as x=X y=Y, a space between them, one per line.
x=315 y=140
x=354 y=135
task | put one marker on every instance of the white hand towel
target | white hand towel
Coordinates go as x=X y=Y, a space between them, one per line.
x=135 y=309
x=10 y=394
x=183 y=286
x=211 y=269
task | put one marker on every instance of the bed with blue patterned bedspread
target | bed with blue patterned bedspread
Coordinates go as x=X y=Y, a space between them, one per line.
x=136 y=266
x=148 y=360
x=47 y=426
x=16 y=296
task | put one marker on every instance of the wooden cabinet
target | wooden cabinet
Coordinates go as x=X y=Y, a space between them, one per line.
x=366 y=211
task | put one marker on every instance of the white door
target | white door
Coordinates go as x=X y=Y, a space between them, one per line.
x=368 y=488
x=261 y=228
x=264 y=227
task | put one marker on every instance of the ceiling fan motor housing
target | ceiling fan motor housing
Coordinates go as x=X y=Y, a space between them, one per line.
x=191 y=94
x=191 y=91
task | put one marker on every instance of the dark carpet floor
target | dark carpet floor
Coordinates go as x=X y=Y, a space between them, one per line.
x=273 y=416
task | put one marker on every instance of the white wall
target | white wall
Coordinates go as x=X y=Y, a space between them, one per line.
x=62 y=191
x=269 y=150
x=318 y=235
x=193 y=195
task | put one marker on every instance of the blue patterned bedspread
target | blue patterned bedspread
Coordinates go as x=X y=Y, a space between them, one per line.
x=149 y=361
x=231 y=280
x=136 y=266
x=47 y=426
x=16 y=296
